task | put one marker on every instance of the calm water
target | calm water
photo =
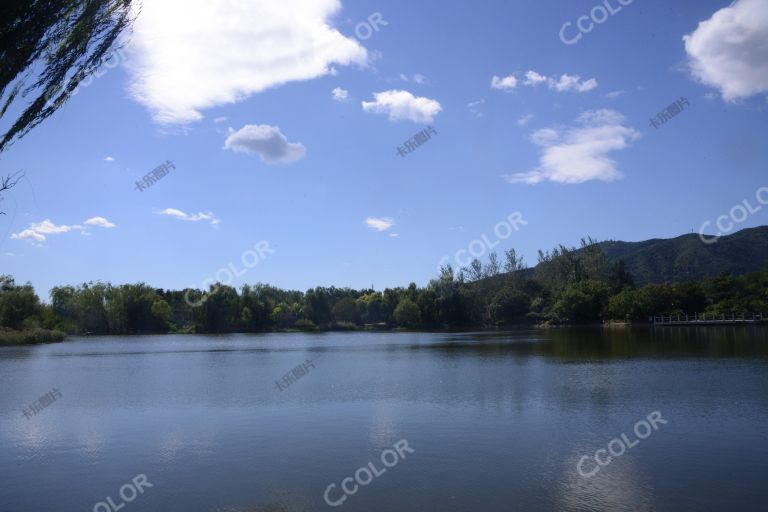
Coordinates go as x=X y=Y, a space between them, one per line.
x=497 y=422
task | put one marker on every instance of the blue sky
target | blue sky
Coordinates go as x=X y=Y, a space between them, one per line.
x=241 y=100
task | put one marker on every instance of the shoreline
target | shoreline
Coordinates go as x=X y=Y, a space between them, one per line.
x=11 y=338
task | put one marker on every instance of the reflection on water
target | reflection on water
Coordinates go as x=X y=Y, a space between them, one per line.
x=622 y=489
x=498 y=420
x=619 y=342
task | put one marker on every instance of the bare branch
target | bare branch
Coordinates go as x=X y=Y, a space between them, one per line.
x=10 y=181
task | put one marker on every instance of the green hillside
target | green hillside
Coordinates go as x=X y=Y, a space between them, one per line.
x=687 y=258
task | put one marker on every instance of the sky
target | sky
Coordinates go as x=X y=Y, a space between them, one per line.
x=292 y=124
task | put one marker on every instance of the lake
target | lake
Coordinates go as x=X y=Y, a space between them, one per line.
x=533 y=420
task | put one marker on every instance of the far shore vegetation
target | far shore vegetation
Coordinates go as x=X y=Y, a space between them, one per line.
x=568 y=286
x=29 y=336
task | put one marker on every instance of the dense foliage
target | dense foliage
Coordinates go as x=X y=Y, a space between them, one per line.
x=686 y=258
x=48 y=47
x=569 y=285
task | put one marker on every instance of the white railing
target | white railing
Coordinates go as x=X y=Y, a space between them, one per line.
x=703 y=317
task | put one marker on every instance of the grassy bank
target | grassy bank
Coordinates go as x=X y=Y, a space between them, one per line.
x=29 y=337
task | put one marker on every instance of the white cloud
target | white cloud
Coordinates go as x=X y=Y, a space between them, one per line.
x=220 y=119
x=194 y=217
x=506 y=83
x=602 y=116
x=29 y=234
x=524 y=120
x=36 y=233
x=615 y=94
x=545 y=136
x=474 y=107
x=418 y=78
x=580 y=153
x=109 y=159
x=266 y=141
x=729 y=51
x=100 y=221
x=532 y=78
x=340 y=94
x=380 y=223
x=564 y=83
x=571 y=83
x=49 y=228
x=190 y=55
x=403 y=106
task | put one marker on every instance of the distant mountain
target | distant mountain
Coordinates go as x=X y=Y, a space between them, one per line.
x=687 y=258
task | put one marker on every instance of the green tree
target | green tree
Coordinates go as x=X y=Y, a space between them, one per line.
x=509 y=305
x=619 y=278
x=581 y=302
x=246 y=318
x=284 y=316
x=627 y=305
x=161 y=313
x=370 y=308
x=222 y=309
x=448 y=307
x=513 y=262
x=19 y=305
x=690 y=297
x=407 y=314
x=493 y=267
x=660 y=299
x=318 y=305
x=90 y=311
x=345 y=310
x=475 y=270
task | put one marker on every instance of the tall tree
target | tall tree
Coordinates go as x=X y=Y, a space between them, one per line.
x=493 y=267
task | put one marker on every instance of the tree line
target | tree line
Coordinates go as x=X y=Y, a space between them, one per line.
x=568 y=286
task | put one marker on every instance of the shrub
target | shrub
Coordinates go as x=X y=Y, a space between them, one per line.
x=305 y=324
x=30 y=337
